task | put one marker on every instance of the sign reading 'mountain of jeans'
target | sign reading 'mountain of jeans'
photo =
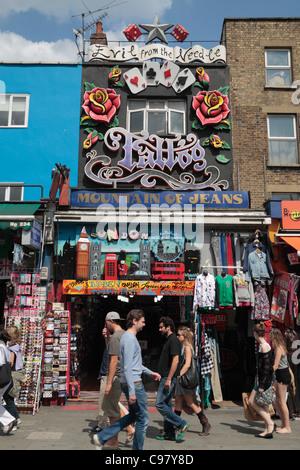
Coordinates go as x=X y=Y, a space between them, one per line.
x=161 y=199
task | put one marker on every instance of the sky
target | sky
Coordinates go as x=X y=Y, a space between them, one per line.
x=42 y=31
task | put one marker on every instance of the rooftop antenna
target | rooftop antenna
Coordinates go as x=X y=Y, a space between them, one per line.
x=79 y=33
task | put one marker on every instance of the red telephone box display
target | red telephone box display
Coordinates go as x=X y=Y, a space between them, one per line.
x=111 y=267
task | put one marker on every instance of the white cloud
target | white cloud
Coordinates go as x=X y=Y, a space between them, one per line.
x=62 y=10
x=14 y=48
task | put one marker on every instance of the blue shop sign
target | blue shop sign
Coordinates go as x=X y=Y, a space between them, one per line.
x=188 y=199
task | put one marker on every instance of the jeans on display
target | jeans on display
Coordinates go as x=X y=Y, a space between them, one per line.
x=164 y=406
x=216 y=249
x=138 y=413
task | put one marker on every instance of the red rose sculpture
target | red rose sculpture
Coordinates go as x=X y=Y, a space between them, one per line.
x=101 y=105
x=211 y=107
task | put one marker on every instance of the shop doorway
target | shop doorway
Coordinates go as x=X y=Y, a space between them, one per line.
x=88 y=319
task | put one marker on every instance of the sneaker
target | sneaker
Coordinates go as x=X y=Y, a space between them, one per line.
x=180 y=431
x=165 y=437
x=96 y=429
x=97 y=441
x=18 y=422
x=7 y=429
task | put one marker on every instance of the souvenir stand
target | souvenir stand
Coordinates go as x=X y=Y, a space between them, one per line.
x=56 y=361
x=23 y=308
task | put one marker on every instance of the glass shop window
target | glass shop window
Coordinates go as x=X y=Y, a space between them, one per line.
x=278 y=67
x=14 y=110
x=282 y=134
x=160 y=117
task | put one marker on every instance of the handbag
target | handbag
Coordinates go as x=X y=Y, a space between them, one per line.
x=190 y=379
x=5 y=373
x=249 y=411
x=267 y=397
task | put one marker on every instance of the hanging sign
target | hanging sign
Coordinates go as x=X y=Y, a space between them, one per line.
x=290 y=215
x=105 y=287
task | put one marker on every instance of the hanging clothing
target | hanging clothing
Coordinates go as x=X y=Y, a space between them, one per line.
x=224 y=291
x=204 y=291
x=261 y=308
x=249 y=249
x=206 y=359
x=229 y=255
x=259 y=267
x=244 y=293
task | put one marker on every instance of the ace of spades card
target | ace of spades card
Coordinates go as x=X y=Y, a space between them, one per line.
x=168 y=73
x=183 y=80
x=135 y=80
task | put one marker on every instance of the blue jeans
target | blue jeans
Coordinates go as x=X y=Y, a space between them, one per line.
x=164 y=406
x=138 y=413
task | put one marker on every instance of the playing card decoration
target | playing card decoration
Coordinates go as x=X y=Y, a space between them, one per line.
x=168 y=75
x=135 y=80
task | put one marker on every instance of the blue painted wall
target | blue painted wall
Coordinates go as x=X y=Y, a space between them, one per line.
x=29 y=154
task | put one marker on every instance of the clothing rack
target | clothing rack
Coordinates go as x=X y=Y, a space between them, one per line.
x=233 y=267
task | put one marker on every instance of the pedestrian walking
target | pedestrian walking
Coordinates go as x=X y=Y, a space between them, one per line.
x=265 y=361
x=103 y=421
x=132 y=385
x=185 y=337
x=112 y=391
x=6 y=419
x=283 y=379
x=168 y=368
x=18 y=375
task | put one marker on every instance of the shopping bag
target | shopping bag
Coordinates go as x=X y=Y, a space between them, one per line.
x=249 y=411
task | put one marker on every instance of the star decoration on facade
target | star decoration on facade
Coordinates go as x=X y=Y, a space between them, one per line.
x=156 y=30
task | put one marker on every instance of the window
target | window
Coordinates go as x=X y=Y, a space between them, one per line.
x=282 y=140
x=287 y=196
x=11 y=193
x=160 y=117
x=278 y=67
x=14 y=110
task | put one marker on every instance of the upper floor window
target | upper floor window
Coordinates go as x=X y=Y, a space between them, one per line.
x=160 y=117
x=278 y=67
x=282 y=133
x=14 y=110
x=11 y=193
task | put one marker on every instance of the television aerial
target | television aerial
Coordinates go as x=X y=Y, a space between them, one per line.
x=80 y=33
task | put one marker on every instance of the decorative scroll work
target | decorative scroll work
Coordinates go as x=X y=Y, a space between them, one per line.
x=152 y=158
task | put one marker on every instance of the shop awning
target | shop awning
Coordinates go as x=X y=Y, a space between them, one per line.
x=18 y=215
x=292 y=241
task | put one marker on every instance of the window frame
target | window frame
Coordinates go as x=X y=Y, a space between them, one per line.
x=166 y=110
x=7 y=192
x=291 y=139
x=276 y=67
x=10 y=110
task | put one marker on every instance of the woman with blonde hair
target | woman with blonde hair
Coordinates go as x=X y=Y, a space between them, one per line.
x=185 y=337
x=265 y=361
x=283 y=379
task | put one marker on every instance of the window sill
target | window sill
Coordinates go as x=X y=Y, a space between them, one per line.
x=280 y=87
x=272 y=166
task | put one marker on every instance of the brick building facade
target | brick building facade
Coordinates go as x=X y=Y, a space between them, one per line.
x=263 y=57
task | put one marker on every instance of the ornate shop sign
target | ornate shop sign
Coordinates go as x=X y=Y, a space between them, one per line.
x=98 y=287
x=98 y=52
x=150 y=158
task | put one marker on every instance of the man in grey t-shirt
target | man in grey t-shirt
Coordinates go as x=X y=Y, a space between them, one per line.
x=113 y=388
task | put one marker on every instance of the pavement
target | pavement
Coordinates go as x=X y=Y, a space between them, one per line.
x=69 y=427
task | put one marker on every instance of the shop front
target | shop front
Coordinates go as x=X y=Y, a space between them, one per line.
x=23 y=289
x=157 y=258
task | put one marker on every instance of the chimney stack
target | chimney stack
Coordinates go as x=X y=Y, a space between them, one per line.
x=99 y=37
